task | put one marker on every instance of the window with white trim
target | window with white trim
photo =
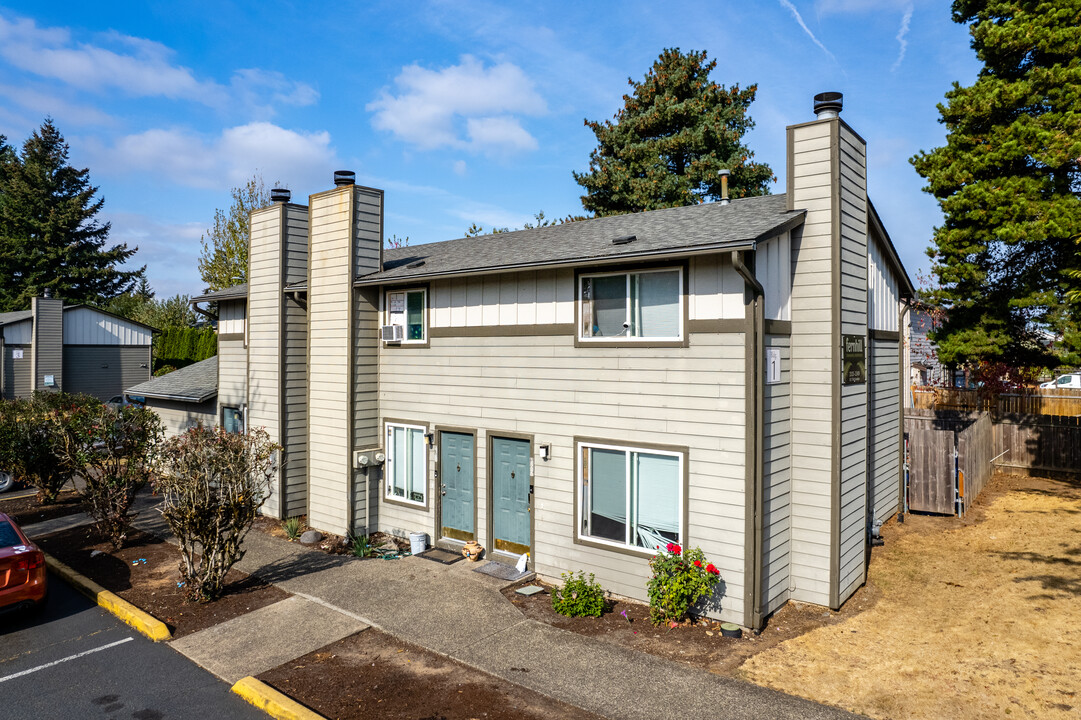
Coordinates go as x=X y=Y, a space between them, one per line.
x=630 y=497
x=407 y=464
x=632 y=306
x=407 y=309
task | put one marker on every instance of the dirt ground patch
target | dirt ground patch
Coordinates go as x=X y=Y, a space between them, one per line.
x=152 y=585
x=376 y=676
x=26 y=510
x=701 y=645
x=977 y=618
x=330 y=544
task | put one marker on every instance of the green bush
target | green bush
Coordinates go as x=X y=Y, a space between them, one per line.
x=680 y=579
x=39 y=443
x=114 y=452
x=362 y=546
x=182 y=346
x=578 y=597
x=293 y=527
x=212 y=484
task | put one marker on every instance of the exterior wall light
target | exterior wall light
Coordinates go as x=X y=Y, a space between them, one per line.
x=546 y=451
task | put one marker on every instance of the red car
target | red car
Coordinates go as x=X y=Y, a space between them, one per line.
x=22 y=568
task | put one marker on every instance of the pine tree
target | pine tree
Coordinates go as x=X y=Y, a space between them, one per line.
x=224 y=259
x=1007 y=255
x=665 y=148
x=49 y=237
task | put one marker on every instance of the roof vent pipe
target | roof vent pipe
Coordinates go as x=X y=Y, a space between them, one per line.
x=344 y=177
x=280 y=195
x=828 y=105
x=724 y=187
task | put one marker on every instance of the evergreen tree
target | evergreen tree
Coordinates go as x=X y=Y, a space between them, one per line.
x=224 y=259
x=1007 y=255
x=665 y=148
x=49 y=237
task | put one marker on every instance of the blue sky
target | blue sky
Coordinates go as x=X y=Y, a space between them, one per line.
x=461 y=111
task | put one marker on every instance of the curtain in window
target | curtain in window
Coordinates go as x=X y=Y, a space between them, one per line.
x=608 y=494
x=414 y=320
x=657 y=492
x=417 y=471
x=609 y=305
x=655 y=304
x=400 y=469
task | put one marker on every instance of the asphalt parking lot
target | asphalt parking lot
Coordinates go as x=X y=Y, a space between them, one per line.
x=75 y=660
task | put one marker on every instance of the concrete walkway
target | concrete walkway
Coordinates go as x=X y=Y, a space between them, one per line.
x=461 y=614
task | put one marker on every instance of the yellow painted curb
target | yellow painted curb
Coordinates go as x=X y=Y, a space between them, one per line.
x=141 y=620
x=272 y=702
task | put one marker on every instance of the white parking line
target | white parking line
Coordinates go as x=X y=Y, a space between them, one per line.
x=63 y=660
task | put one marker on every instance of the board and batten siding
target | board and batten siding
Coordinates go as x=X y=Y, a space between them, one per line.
x=810 y=183
x=777 y=482
x=231 y=318
x=20 y=333
x=105 y=371
x=852 y=213
x=264 y=319
x=773 y=268
x=366 y=431
x=883 y=293
x=545 y=387
x=86 y=326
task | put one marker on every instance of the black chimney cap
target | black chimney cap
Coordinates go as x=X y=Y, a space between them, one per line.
x=829 y=102
x=280 y=195
x=344 y=177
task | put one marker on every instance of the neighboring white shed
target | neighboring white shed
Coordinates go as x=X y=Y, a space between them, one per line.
x=183 y=398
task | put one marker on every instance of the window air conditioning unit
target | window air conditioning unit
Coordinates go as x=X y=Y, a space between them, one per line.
x=392 y=333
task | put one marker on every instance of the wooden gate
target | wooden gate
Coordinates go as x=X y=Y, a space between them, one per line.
x=948 y=459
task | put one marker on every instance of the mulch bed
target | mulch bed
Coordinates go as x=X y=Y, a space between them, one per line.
x=27 y=511
x=152 y=585
x=701 y=645
x=375 y=676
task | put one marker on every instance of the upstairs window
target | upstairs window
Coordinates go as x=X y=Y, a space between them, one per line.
x=635 y=306
x=407 y=308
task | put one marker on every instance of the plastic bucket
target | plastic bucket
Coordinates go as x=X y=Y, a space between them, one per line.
x=418 y=542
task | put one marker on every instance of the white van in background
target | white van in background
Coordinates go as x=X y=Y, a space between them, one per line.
x=1070 y=381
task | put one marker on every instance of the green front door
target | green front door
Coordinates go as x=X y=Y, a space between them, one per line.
x=510 y=495
x=456 y=485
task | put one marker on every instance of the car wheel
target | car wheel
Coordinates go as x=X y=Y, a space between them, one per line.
x=7 y=481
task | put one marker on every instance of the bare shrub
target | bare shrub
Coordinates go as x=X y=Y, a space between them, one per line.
x=213 y=484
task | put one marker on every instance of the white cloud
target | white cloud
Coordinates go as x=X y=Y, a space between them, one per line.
x=799 y=19
x=460 y=168
x=902 y=37
x=42 y=103
x=435 y=107
x=139 y=67
x=299 y=160
x=489 y=216
x=170 y=251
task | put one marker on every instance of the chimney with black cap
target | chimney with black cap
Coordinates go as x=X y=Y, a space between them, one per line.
x=345 y=243
x=826 y=180
x=276 y=345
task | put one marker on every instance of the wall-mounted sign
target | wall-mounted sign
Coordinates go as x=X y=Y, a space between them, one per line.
x=50 y=381
x=854 y=359
x=16 y=353
x=773 y=365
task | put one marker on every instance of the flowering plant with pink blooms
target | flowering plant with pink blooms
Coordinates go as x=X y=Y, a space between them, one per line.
x=680 y=579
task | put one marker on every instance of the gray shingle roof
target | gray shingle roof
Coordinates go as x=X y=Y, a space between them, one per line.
x=657 y=232
x=195 y=383
x=14 y=317
x=236 y=292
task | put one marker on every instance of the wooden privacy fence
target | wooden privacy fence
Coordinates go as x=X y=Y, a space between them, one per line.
x=1038 y=444
x=950 y=456
x=1033 y=402
x=947 y=459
